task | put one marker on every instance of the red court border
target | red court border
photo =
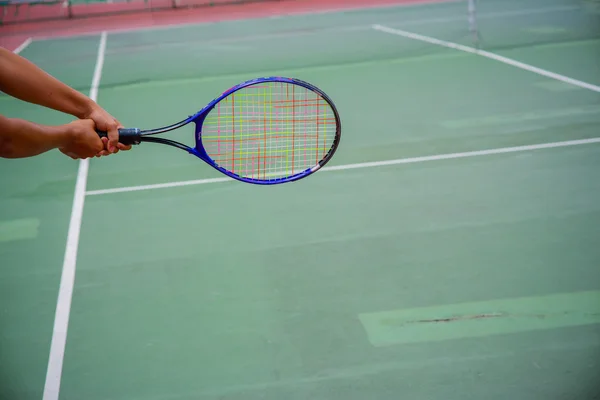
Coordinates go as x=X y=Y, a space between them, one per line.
x=12 y=36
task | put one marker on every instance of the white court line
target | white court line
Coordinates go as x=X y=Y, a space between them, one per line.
x=65 y=293
x=346 y=167
x=23 y=45
x=505 y=60
x=157 y=186
x=343 y=28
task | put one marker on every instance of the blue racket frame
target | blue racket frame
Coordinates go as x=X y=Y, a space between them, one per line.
x=136 y=136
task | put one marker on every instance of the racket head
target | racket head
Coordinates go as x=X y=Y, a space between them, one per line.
x=268 y=131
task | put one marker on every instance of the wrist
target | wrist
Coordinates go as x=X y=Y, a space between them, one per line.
x=87 y=108
x=63 y=135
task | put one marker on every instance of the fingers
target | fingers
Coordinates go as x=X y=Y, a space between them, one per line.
x=112 y=144
x=103 y=152
x=123 y=147
x=100 y=144
x=106 y=122
x=106 y=152
x=113 y=147
x=113 y=136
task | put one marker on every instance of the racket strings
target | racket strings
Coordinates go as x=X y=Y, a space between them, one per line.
x=269 y=131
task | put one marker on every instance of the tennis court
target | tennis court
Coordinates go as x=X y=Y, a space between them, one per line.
x=449 y=251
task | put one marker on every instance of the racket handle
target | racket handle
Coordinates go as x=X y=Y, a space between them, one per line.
x=126 y=135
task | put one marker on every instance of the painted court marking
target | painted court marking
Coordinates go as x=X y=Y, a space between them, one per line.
x=67 y=281
x=412 y=160
x=342 y=28
x=480 y=319
x=487 y=54
x=23 y=45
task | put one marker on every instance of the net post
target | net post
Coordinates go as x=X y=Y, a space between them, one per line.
x=472 y=15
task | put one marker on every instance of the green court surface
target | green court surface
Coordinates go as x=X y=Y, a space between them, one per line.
x=462 y=277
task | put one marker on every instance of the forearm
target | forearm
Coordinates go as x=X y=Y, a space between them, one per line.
x=19 y=138
x=24 y=80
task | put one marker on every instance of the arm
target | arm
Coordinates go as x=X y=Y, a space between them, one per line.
x=22 y=79
x=20 y=138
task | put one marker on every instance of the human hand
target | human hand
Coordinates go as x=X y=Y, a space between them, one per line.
x=81 y=140
x=106 y=122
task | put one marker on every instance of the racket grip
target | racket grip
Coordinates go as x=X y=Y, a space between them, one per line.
x=126 y=135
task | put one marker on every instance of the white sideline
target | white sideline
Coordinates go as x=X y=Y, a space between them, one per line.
x=67 y=281
x=23 y=45
x=483 y=53
x=345 y=167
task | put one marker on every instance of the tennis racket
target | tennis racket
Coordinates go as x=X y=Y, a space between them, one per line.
x=263 y=131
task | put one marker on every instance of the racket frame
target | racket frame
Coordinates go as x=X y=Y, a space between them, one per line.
x=136 y=136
